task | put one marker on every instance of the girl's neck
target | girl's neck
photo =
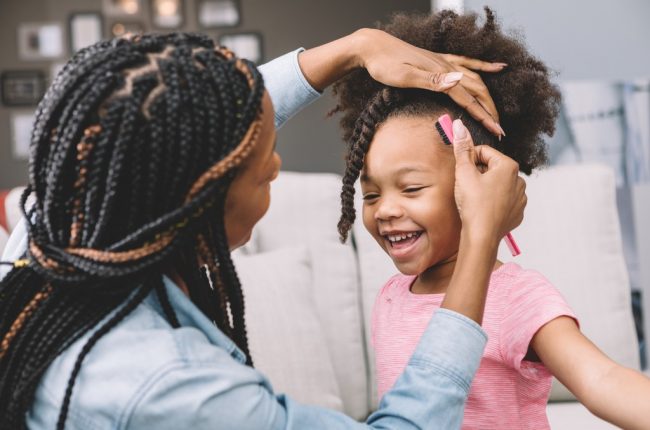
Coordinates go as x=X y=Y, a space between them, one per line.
x=435 y=279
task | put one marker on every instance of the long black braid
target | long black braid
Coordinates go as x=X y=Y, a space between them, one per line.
x=134 y=148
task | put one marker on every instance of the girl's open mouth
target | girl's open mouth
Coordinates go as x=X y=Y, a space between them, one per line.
x=400 y=244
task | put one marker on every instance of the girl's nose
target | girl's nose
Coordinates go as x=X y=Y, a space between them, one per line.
x=388 y=209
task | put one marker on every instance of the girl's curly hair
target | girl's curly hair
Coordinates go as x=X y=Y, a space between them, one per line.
x=526 y=99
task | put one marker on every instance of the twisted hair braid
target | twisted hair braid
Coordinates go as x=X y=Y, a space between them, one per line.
x=359 y=142
x=133 y=151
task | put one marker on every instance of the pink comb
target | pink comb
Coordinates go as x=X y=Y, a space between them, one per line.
x=445 y=123
x=446 y=130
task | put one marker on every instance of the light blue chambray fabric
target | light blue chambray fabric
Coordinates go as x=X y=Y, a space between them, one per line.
x=144 y=374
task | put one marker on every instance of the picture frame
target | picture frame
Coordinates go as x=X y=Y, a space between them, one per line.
x=249 y=45
x=121 y=8
x=120 y=28
x=22 y=87
x=167 y=14
x=21 y=124
x=84 y=29
x=218 y=13
x=40 y=41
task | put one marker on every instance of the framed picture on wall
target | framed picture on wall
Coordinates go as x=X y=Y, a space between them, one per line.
x=21 y=133
x=40 y=41
x=85 y=29
x=121 y=7
x=167 y=14
x=22 y=87
x=244 y=45
x=218 y=13
x=120 y=28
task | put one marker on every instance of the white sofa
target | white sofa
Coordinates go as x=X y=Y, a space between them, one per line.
x=309 y=297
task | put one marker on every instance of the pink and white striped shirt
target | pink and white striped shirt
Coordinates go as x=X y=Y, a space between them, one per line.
x=507 y=392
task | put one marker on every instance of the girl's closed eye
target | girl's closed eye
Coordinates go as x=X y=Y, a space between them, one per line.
x=414 y=189
x=370 y=196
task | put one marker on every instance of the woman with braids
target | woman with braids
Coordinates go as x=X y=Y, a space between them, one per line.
x=151 y=160
x=407 y=179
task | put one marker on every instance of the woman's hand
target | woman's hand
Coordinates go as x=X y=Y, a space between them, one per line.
x=396 y=63
x=490 y=194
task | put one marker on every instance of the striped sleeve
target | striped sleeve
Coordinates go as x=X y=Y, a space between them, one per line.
x=532 y=302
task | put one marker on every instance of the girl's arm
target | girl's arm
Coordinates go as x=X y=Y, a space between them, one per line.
x=610 y=391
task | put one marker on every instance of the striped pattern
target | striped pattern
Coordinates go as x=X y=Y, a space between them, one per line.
x=507 y=392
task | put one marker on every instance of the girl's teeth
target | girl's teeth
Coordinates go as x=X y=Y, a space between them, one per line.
x=398 y=237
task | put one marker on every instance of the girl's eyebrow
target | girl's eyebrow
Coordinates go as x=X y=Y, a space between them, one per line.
x=364 y=177
x=409 y=169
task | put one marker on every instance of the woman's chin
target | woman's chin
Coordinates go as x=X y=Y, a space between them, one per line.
x=238 y=243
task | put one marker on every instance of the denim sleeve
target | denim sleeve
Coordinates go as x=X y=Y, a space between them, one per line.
x=289 y=90
x=215 y=391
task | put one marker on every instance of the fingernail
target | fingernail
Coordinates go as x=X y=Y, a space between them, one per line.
x=460 y=132
x=500 y=129
x=501 y=65
x=452 y=77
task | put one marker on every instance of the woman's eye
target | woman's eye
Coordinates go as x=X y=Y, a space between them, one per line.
x=367 y=197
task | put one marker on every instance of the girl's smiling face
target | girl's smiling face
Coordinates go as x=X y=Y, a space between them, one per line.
x=408 y=189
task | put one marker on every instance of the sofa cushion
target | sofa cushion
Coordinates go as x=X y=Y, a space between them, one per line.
x=571 y=234
x=286 y=338
x=304 y=211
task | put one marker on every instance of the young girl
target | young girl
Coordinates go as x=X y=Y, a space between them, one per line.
x=407 y=180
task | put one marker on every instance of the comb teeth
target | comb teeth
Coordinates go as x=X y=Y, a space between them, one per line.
x=442 y=133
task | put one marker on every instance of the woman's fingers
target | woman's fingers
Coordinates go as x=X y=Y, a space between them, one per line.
x=474 y=64
x=410 y=76
x=471 y=104
x=492 y=159
x=489 y=194
x=476 y=87
x=464 y=150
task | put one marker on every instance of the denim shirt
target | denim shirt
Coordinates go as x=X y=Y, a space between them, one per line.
x=144 y=374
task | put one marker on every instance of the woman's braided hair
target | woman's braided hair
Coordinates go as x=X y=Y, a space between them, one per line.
x=134 y=147
x=527 y=101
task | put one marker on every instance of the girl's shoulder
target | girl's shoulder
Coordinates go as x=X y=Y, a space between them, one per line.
x=397 y=284
x=511 y=276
